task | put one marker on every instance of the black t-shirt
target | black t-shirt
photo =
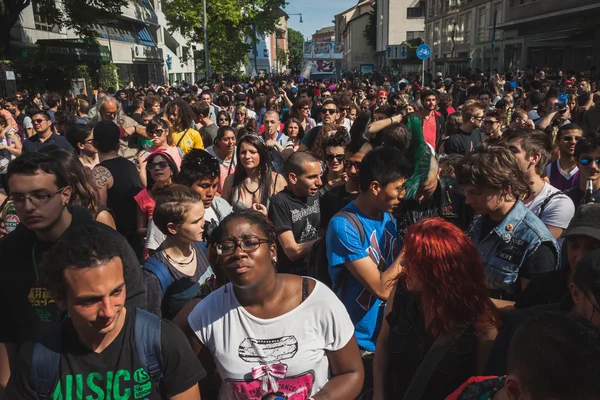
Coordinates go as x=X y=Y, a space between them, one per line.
x=546 y=288
x=19 y=120
x=576 y=194
x=299 y=215
x=120 y=197
x=462 y=142
x=116 y=372
x=333 y=201
x=27 y=307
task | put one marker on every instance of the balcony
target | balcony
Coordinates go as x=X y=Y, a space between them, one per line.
x=140 y=11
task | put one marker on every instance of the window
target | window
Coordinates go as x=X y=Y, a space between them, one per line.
x=467 y=35
x=430 y=8
x=448 y=29
x=459 y=37
x=41 y=22
x=415 y=12
x=481 y=34
x=410 y=35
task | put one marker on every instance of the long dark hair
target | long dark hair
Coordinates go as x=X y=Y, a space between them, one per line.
x=297 y=122
x=172 y=165
x=264 y=167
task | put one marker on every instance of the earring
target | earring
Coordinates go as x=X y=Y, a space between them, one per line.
x=274 y=260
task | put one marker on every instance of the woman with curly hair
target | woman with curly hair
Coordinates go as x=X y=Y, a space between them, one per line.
x=440 y=299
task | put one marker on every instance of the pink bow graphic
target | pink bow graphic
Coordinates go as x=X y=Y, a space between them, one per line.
x=268 y=375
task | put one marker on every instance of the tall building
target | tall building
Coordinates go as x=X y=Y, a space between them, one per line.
x=326 y=34
x=398 y=21
x=266 y=59
x=349 y=28
x=137 y=42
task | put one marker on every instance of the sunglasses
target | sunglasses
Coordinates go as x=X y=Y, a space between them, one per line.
x=110 y=114
x=585 y=161
x=160 y=164
x=157 y=132
x=305 y=108
x=489 y=122
x=331 y=157
x=571 y=138
x=349 y=164
x=38 y=121
x=328 y=111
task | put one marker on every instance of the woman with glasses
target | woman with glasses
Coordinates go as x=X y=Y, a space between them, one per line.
x=254 y=181
x=179 y=271
x=440 y=295
x=81 y=138
x=334 y=151
x=303 y=109
x=161 y=171
x=241 y=117
x=288 y=336
x=223 y=119
x=158 y=132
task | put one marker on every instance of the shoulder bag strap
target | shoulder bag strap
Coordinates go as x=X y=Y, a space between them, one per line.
x=181 y=138
x=45 y=362
x=161 y=272
x=147 y=335
x=355 y=222
x=546 y=202
x=432 y=359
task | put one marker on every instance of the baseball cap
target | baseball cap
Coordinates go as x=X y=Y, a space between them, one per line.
x=512 y=84
x=587 y=273
x=585 y=222
x=240 y=97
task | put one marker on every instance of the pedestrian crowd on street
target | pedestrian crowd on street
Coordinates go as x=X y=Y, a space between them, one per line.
x=377 y=237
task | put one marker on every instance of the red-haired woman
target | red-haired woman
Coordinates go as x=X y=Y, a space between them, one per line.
x=440 y=296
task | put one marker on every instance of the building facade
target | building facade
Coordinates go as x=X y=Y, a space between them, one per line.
x=326 y=34
x=397 y=22
x=349 y=28
x=137 y=42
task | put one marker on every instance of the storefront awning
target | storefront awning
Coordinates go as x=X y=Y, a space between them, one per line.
x=75 y=49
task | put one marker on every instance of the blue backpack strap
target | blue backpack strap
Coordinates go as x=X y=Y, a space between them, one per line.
x=161 y=272
x=45 y=362
x=147 y=334
x=202 y=246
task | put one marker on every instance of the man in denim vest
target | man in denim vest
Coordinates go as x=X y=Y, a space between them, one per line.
x=513 y=242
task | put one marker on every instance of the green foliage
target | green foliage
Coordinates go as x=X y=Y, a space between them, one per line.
x=108 y=76
x=78 y=15
x=295 y=46
x=230 y=24
x=412 y=50
x=370 y=32
x=282 y=57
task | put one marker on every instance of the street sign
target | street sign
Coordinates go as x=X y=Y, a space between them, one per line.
x=423 y=52
x=397 y=52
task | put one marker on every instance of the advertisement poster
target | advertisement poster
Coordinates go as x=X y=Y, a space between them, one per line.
x=316 y=68
x=308 y=50
x=338 y=51
x=322 y=50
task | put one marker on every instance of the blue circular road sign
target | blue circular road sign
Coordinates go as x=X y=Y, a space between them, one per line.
x=423 y=52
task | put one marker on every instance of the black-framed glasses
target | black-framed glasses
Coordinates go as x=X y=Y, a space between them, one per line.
x=328 y=111
x=478 y=118
x=37 y=199
x=349 y=164
x=159 y=164
x=571 y=138
x=110 y=113
x=248 y=245
x=156 y=132
x=489 y=122
x=338 y=157
x=38 y=120
x=585 y=161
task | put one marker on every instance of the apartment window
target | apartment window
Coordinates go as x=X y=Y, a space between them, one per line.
x=430 y=8
x=436 y=34
x=410 y=35
x=516 y=3
x=41 y=22
x=415 y=12
x=497 y=13
x=467 y=30
x=459 y=37
x=481 y=34
x=448 y=28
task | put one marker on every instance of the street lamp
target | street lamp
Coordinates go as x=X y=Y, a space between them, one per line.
x=300 y=14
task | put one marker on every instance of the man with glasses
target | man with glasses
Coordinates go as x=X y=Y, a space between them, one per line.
x=44 y=136
x=41 y=194
x=295 y=213
x=343 y=105
x=329 y=115
x=587 y=154
x=467 y=138
x=564 y=172
x=492 y=124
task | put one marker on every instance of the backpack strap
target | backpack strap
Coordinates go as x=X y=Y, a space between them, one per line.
x=147 y=334
x=355 y=222
x=546 y=202
x=45 y=362
x=432 y=359
x=153 y=265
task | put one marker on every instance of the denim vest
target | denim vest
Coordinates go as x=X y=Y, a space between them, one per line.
x=509 y=244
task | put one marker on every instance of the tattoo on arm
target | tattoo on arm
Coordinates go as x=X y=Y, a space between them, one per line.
x=101 y=176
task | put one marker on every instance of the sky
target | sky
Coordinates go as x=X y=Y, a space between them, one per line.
x=316 y=14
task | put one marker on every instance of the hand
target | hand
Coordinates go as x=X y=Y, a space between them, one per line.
x=344 y=177
x=260 y=208
x=397 y=118
x=271 y=143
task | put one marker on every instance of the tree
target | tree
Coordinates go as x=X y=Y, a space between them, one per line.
x=370 y=32
x=295 y=46
x=78 y=15
x=230 y=26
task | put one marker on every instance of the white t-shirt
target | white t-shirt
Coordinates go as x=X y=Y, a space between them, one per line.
x=256 y=356
x=557 y=212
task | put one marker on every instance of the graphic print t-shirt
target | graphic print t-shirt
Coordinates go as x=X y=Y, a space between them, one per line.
x=344 y=245
x=302 y=217
x=116 y=372
x=286 y=354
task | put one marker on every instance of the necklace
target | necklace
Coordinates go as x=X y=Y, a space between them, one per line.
x=250 y=191
x=182 y=262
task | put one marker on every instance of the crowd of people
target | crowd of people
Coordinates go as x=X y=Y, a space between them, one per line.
x=380 y=238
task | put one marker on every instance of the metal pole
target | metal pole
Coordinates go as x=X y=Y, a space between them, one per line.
x=255 y=50
x=206 y=49
x=423 y=75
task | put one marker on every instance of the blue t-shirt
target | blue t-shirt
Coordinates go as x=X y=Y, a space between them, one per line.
x=344 y=245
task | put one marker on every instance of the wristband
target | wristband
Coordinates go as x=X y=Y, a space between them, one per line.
x=391 y=120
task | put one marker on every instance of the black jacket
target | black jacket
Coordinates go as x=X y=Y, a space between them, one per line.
x=440 y=127
x=20 y=255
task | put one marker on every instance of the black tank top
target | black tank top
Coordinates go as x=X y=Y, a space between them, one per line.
x=126 y=184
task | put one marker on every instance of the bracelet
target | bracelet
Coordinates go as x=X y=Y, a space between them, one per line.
x=391 y=120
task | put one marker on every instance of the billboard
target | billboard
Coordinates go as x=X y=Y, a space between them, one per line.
x=317 y=67
x=324 y=50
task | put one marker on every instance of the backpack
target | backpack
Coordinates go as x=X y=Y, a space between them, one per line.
x=318 y=265
x=45 y=363
x=176 y=301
